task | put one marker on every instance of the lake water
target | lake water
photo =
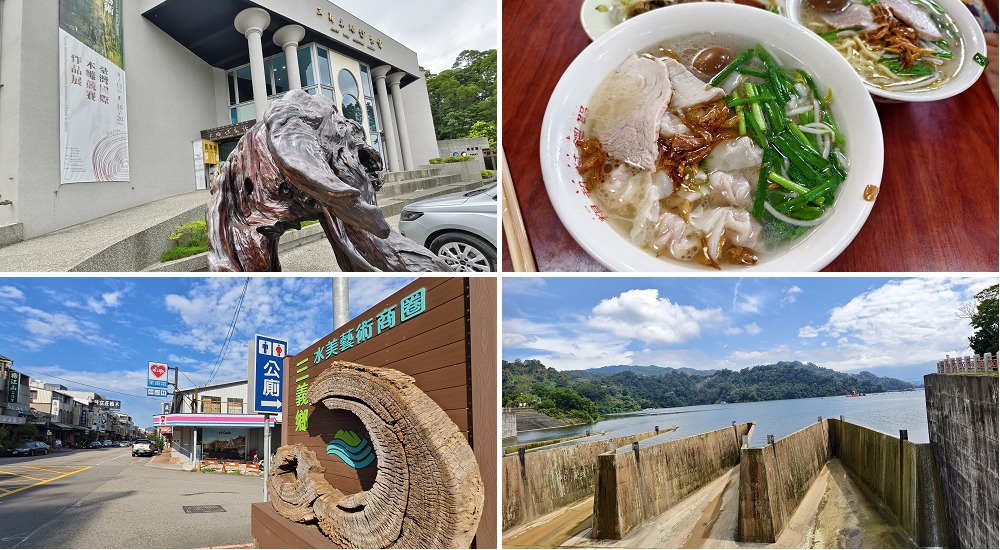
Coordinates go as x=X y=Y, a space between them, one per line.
x=885 y=412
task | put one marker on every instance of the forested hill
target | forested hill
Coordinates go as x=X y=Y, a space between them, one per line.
x=626 y=390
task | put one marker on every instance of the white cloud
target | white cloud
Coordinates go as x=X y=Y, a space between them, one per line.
x=750 y=358
x=752 y=329
x=790 y=294
x=437 y=30
x=179 y=359
x=901 y=323
x=565 y=346
x=47 y=327
x=808 y=331
x=365 y=292
x=529 y=286
x=732 y=331
x=643 y=315
x=108 y=300
x=749 y=304
x=8 y=292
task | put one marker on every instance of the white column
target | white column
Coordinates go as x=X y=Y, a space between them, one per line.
x=397 y=102
x=387 y=124
x=251 y=22
x=288 y=38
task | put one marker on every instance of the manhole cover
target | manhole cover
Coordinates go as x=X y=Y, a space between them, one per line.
x=203 y=509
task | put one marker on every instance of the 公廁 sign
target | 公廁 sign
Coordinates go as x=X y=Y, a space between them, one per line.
x=265 y=372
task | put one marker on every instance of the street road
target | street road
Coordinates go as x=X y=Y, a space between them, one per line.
x=105 y=498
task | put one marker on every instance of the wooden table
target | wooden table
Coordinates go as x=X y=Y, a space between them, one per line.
x=936 y=211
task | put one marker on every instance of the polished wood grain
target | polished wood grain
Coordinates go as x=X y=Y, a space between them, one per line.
x=938 y=204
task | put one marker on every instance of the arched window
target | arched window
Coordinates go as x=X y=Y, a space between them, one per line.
x=349 y=103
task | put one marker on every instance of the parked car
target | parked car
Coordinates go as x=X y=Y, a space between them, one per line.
x=94 y=445
x=143 y=447
x=31 y=448
x=124 y=444
x=461 y=228
x=107 y=443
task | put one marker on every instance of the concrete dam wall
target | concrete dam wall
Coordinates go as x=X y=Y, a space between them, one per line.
x=901 y=475
x=963 y=428
x=539 y=482
x=774 y=478
x=636 y=484
x=509 y=425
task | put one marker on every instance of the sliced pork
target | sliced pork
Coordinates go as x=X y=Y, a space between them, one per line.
x=906 y=11
x=856 y=15
x=631 y=135
x=688 y=89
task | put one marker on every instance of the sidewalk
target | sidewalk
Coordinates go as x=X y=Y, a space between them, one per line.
x=162 y=461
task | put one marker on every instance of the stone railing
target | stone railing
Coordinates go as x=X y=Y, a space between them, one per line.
x=975 y=364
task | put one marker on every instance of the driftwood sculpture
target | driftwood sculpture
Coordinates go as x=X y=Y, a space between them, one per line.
x=304 y=161
x=428 y=492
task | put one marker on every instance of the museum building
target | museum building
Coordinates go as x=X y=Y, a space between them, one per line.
x=110 y=104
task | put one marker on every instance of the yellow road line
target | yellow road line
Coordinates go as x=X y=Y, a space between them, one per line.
x=44 y=482
x=26 y=477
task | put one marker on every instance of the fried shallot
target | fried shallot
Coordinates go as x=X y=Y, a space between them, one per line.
x=895 y=37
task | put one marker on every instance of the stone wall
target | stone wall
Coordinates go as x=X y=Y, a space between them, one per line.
x=634 y=485
x=509 y=425
x=542 y=481
x=963 y=428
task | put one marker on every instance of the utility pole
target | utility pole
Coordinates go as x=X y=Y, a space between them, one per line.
x=341 y=302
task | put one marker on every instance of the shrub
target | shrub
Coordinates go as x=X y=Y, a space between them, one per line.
x=487 y=174
x=458 y=158
x=436 y=161
x=189 y=239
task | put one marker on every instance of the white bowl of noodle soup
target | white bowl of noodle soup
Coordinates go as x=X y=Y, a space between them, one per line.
x=967 y=73
x=852 y=108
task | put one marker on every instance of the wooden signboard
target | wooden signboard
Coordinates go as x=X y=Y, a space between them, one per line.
x=439 y=330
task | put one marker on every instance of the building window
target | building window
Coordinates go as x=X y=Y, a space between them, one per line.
x=34 y=395
x=234 y=405
x=211 y=405
x=279 y=72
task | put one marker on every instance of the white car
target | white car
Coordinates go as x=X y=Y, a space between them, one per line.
x=460 y=228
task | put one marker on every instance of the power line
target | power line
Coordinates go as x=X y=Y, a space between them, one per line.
x=229 y=336
x=39 y=376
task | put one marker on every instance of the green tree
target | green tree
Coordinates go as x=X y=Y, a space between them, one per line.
x=464 y=95
x=984 y=320
x=487 y=130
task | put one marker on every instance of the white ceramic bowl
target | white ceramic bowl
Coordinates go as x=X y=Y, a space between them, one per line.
x=852 y=108
x=969 y=72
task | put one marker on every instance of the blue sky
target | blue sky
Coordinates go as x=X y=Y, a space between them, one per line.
x=896 y=327
x=103 y=332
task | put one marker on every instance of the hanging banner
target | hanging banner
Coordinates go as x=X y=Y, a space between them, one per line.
x=93 y=124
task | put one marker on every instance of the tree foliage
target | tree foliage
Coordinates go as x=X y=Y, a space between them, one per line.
x=985 y=320
x=464 y=95
x=627 y=391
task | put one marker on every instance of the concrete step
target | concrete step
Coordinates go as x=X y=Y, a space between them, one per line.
x=397 y=188
x=411 y=174
x=394 y=206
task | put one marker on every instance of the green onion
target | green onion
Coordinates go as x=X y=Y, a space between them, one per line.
x=774 y=74
x=806 y=212
x=828 y=119
x=765 y=170
x=802 y=137
x=745 y=100
x=917 y=69
x=808 y=197
x=812 y=85
x=751 y=72
x=832 y=35
x=787 y=183
x=743 y=58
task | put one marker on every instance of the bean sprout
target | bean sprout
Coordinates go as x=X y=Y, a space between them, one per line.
x=793 y=221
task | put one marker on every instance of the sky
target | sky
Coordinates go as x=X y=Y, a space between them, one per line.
x=437 y=30
x=899 y=327
x=99 y=334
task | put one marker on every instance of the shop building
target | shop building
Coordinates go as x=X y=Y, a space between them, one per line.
x=213 y=422
x=176 y=84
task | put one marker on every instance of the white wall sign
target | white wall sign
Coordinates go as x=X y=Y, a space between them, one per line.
x=93 y=125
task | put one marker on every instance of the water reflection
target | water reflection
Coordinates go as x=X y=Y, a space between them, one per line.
x=885 y=412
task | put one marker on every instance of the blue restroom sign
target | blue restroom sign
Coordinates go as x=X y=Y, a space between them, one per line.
x=265 y=373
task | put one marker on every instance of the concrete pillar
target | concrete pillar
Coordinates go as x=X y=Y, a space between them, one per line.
x=251 y=22
x=288 y=38
x=397 y=102
x=383 y=107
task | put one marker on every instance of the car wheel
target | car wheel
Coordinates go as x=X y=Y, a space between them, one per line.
x=464 y=252
x=45 y=452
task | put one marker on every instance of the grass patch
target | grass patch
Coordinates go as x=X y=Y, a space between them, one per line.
x=487 y=174
x=193 y=247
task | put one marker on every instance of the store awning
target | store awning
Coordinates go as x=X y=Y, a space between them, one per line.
x=61 y=426
x=212 y=420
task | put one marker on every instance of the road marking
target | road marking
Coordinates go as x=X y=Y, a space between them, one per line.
x=109 y=460
x=44 y=482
